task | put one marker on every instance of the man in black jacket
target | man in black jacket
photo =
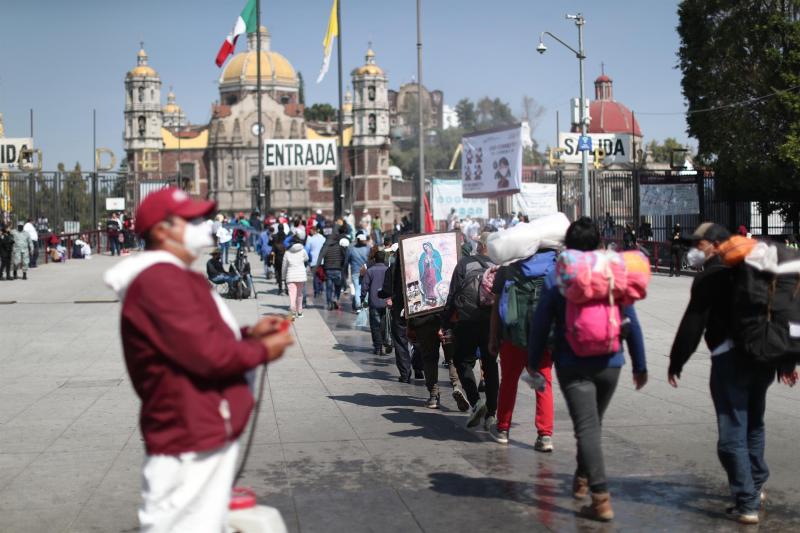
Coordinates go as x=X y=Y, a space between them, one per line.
x=738 y=385
x=331 y=258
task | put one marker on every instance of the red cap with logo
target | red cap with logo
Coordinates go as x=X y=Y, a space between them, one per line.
x=168 y=202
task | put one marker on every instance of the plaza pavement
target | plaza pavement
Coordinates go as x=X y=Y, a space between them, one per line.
x=340 y=445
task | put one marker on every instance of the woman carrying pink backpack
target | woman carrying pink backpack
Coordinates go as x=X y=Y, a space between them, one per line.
x=588 y=380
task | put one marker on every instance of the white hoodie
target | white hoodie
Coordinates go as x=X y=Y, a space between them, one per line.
x=294 y=264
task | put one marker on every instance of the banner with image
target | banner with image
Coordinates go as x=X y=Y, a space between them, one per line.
x=447 y=195
x=491 y=162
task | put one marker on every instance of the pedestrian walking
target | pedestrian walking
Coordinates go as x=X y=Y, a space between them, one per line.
x=355 y=258
x=113 y=227
x=314 y=244
x=469 y=320
x=587 y=382
x=518 y=288
x=186 y=358
x=675 y=251
x=278 y=251
x=371 y=285
x=30 y=229
x=6 y=250
x=294 y=269
x=738 y=382
x=331 y=259
x=21 y=251
x=224 y=238
x=392 y=291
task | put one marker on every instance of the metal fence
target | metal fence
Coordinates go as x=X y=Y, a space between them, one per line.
x=72 y=201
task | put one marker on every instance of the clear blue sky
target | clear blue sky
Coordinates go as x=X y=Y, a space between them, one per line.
x=65 y=58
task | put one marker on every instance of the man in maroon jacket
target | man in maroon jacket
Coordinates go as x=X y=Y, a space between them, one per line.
x=187 y=360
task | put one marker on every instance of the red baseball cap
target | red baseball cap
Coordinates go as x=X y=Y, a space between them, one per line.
x=170 y=201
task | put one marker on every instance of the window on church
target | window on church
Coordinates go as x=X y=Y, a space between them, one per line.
x=284 y=99
x=141 y=94
x=371 y=125
x=142 y=126
x=230 y=100
x=187 y=170
x=371 y=93
x=152 y=95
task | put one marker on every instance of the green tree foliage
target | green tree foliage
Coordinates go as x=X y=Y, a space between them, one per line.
x=661 y=153
x=740 y=61
x=467 y=118
x=320 y=113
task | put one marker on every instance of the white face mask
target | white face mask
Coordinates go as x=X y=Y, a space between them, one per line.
x=696 y=258
x=196 y=237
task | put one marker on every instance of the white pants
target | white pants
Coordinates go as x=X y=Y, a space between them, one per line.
x=189 y=492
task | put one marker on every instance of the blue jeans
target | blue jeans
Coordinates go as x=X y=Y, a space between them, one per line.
x=739 y=392
x=318 y=285
x=333 y=285
x=356 y=278
x=223 y=249
x=230 y=279
x=114 y=244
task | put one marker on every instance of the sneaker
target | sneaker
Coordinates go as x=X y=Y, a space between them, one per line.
x=433 y=402
x=299 y=315
x=461 y=400
x=544 y=443
x=742 y=516
x=489 y=421
x=478 y=411
x=498 y=435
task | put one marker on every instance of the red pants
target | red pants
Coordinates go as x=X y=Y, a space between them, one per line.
x=513 y=361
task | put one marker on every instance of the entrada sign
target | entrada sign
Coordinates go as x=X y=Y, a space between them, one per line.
x=616 y=147
x=297 y=154
x=12 y=150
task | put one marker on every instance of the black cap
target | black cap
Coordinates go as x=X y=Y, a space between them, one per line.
x=709 y=231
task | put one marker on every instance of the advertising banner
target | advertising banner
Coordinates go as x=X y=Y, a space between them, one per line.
x=616 y=147
x=536 y=200
x=491 y=163
x=300 y=154
x=447 y=195
x=11 y=150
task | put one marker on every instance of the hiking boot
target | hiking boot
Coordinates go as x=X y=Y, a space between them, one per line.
x=500 y=436
x=433 y=402
x=461 y=400
x=600 y=508
x=580 y=487
x=478 y=411
x=419 y=374
x=544 y=443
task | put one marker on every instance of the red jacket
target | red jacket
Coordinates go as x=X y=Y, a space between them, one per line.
x=185 y=362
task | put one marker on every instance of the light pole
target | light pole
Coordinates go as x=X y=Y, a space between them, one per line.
x=579 y=53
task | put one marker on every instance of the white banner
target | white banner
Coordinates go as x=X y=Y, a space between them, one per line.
x=536 y=200
x=115 y=204
x=447 y=195
x=10 y=150
x=491 y=163
x=615 y=146
x=300 y=154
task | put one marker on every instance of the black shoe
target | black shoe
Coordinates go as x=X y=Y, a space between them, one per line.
x=387 y=349
x=433 y=402
x=406 y=379
x=24 y=275
x=482 y=386
x=377 y=351
x=15 y=274
x=419 y=374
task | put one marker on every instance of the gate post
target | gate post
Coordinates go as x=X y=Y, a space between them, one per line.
x=94 y=201
x=637 y=216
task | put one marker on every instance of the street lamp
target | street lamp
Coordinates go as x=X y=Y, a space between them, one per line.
x=579 y=53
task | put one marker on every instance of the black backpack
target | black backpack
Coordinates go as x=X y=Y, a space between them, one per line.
x=467 y=295
x=766 y=312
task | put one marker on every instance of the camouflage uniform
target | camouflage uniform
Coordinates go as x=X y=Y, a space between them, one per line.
x=21 y=254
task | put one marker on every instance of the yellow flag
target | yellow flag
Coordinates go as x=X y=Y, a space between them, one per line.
x=327 y=42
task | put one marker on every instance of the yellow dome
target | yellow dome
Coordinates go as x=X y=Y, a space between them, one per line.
x=370 y=68
x=172 y=109
x=142 y=70
x=243 y=68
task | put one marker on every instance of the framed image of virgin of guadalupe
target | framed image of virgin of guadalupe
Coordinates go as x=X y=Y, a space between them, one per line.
x=427 y=262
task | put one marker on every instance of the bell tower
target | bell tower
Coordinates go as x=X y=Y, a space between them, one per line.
x=370 y=104
x=143 y=114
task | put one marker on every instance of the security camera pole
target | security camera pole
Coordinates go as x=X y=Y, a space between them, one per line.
x=579 y=53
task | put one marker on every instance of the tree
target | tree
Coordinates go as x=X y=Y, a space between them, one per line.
x=465 y=110
x=741 y=70
x=662 y=153
x=320 y=113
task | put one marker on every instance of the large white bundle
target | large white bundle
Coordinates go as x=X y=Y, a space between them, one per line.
x=525 y=239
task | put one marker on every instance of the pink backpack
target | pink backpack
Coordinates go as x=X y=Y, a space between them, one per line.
x=485 y=295
x=596 y=284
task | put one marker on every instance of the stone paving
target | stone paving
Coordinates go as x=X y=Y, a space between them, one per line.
x=340 y=445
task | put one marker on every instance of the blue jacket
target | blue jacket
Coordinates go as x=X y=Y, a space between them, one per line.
x=356 y=257
x=265 y=248
x=373 y=282
x=313 y=246
x=552 y=306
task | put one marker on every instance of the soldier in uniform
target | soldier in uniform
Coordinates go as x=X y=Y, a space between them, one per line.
x=21 y=254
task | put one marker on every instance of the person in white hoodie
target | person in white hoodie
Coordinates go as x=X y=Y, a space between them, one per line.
x=294 y=274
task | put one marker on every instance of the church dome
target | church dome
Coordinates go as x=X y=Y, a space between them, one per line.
x=142 y=69
x=242 y=68
x=608 y=115
x=369 y=68
x=172 y=107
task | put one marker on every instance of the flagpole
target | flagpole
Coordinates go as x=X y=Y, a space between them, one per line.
x=338 y=190
x=421 y=133
x=262 y=200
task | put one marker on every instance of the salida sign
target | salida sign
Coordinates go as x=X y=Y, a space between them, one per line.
x=12 y=150
x=298 y=154
x=616 y=147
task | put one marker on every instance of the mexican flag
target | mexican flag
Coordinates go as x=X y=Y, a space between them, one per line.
x=246 y=23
